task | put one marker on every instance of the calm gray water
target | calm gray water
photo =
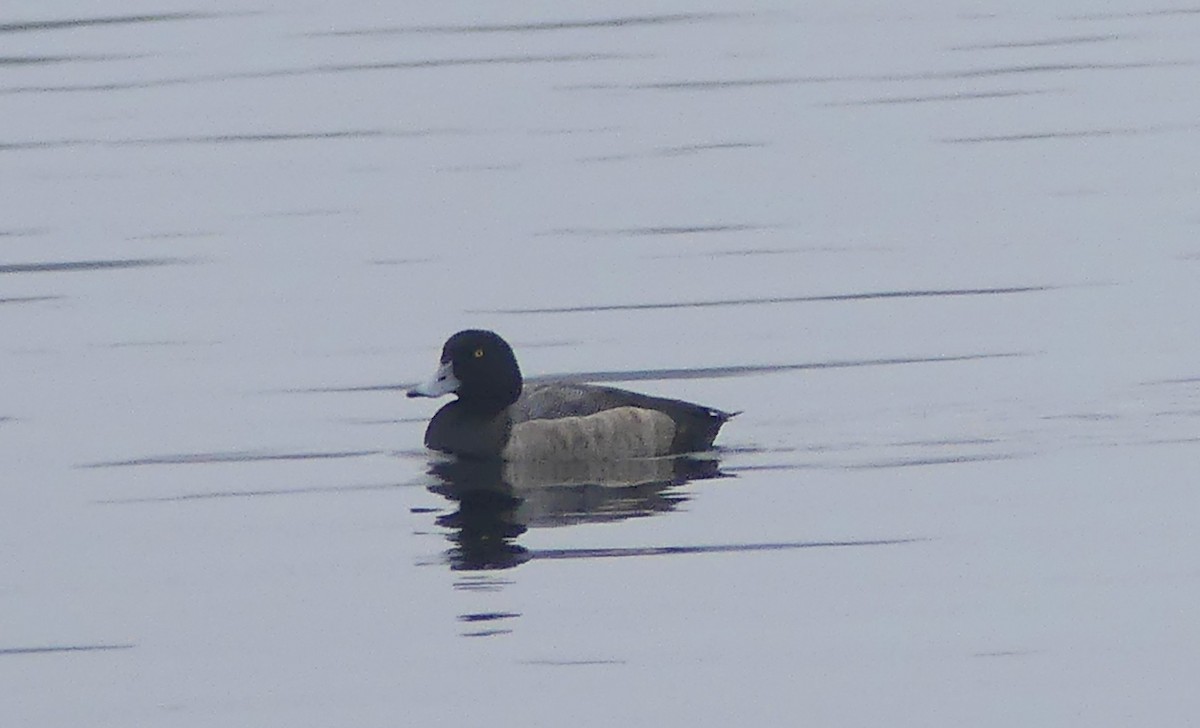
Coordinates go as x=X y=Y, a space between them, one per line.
x=943 y=257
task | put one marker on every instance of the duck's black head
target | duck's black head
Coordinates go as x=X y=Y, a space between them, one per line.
x=480 y=368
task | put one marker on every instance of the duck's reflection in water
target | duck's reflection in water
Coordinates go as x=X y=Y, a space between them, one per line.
x=498 y=501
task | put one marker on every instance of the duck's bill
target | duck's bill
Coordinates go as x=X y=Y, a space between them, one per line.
x=442 y=382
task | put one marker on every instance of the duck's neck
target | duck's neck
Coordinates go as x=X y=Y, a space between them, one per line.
x=469 y=431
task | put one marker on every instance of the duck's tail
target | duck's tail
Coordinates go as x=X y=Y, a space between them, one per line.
x=697 y=432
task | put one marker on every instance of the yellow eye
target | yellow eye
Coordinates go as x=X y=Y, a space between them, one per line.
x=479 y=353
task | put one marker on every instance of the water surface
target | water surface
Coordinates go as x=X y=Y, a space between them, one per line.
x=944 y=262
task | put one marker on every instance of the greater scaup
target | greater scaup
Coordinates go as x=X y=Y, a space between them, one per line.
x=495 y=416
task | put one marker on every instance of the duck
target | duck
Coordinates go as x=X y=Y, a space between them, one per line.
x=497 y=416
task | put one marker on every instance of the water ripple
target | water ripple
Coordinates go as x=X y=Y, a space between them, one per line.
x=605 y=553
x=656 y=230
x=487 y=633
x=968 y=73
x=1160 y=13
x=236 y=456
x=207 y=139
x=223 y=494
x=654 y=375
x=487 y=616
x=948 y=460
x=573 y=663
x=73 y=23
x=1068 y=134
x=772 y=300
x=1039 y=68
x=549 y=25
x=323 y=69
x=675 y=151
x=71 y=266
x=45 y=60
x=705 y=84
x=22 y=232
x=1038 y=43
x=936 y=98
x=62 y=648
x=29 y=299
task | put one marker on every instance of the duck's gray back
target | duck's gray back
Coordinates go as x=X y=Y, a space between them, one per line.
x=555 y=400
